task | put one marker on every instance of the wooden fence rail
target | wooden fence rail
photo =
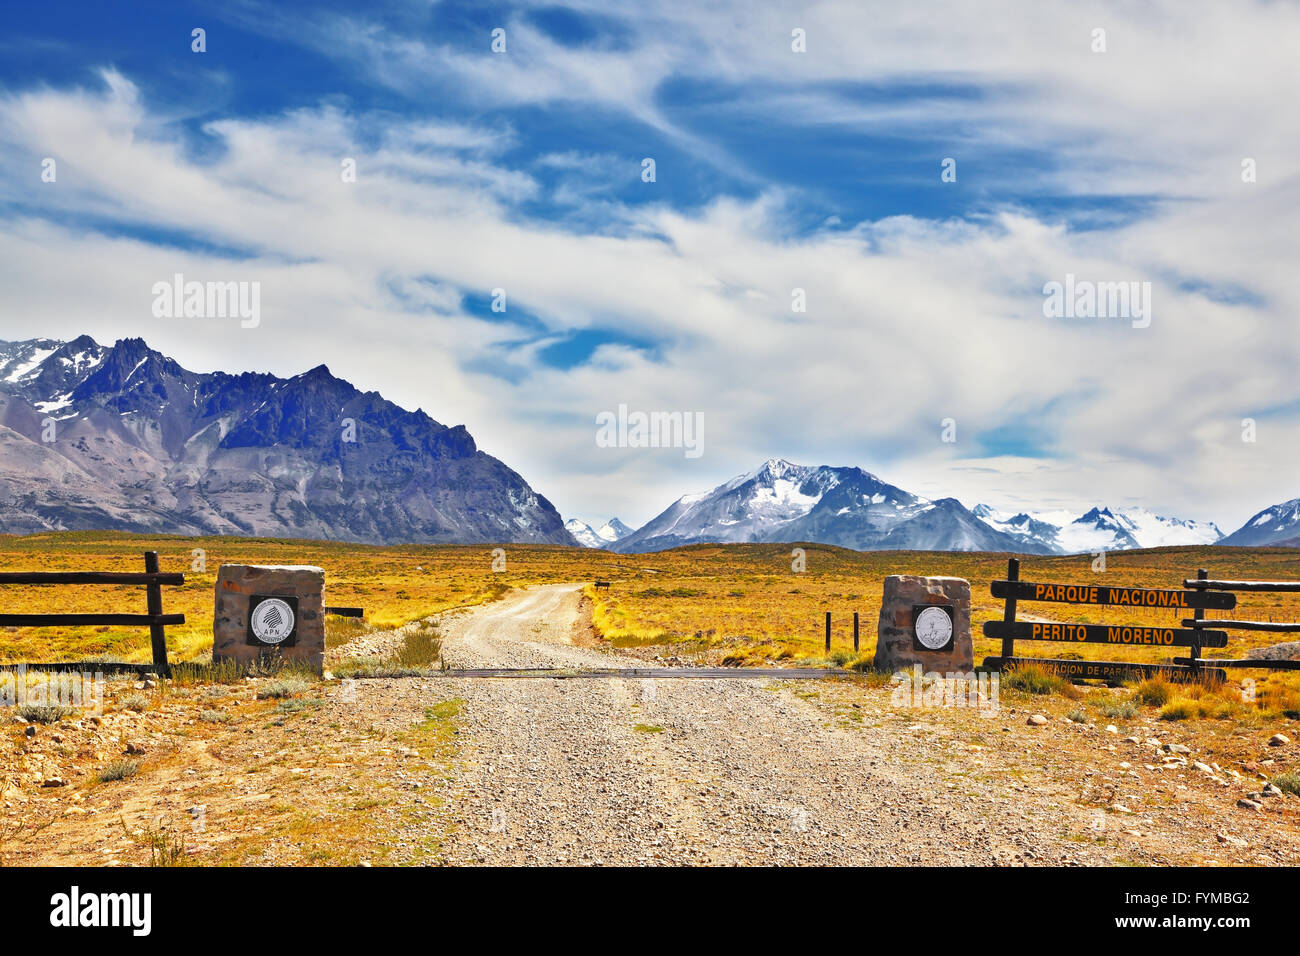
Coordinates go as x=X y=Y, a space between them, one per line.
x=1194 y=636
x=152 y=580
x=1207 y=586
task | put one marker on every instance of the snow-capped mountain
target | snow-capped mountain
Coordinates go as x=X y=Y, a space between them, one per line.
x=583 y=533
x=1275 y=525
x=122 y=437
x=1099 y=529
x=849 y=507
x=602 y=537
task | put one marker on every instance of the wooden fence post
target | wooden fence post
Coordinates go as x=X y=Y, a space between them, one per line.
x=1009 y=612
x=153 y=600
x=828 y=632
x=855 y=632
x=1202 y=574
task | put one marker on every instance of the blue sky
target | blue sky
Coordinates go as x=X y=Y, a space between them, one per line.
x=775 y=170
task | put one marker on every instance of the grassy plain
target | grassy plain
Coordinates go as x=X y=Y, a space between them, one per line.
x=742 y=603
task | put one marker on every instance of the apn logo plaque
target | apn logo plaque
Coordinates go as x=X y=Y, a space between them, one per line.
x=273 y=621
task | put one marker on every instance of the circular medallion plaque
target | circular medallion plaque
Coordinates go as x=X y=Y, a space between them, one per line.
x=933 y=628
x=272 y=621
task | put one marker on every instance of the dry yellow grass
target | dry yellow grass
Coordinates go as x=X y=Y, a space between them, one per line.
x=739 y=600
x=394 y=585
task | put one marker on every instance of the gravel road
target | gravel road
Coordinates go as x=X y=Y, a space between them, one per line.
x=618 y=771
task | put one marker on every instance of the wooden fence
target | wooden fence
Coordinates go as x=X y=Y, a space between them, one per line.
x=1204 y=585
x=1009 y=630
x=152 y=580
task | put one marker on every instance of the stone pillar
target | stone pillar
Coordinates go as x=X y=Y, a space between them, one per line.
x=906 y=603
x=269 y=610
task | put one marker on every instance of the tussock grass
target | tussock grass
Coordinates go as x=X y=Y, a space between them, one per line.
x=282 y=687
x=1290 y=782
x=1180 y=708
x=195 y=673
x=1114 y=709
x=117 y=770
x=293 y=705
x=343 y=630
x=1039 y=680
x=419 y=656
x=44 y=713
x=421 y=647
x=1155 y=691
x=214 y=717
x=369 y=667
x=136 y=702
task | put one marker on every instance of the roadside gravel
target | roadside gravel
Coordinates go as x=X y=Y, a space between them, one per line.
x=703 y=771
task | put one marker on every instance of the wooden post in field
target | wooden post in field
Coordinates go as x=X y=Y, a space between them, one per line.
x=855 y=632
x=1195 y=652
x=1009 y=613
x=153 y=602
x=828 y=632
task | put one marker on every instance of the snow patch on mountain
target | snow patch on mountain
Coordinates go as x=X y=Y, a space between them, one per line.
x=1099 y=529
x=1273 y=525
x=611 y=531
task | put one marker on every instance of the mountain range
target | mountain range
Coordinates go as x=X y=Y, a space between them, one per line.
x=1100 y=529
x=782 y=501
x=122 y=437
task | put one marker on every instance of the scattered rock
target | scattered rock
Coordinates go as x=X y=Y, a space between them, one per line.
x=1037 y=720
x=30 y=731
x=53 y=782
x=1247 y=804
x=1112 y=729
x=1231 y=840
x=1279 y=740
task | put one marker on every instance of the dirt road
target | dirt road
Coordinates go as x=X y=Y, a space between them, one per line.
x=707 y=771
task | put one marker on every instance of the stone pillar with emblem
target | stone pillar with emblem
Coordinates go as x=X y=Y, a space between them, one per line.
x=273 y=611
x=926 y=621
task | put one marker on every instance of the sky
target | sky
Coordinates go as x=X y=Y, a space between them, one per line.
x=796 y=146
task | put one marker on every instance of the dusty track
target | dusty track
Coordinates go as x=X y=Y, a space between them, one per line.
x=704 y=771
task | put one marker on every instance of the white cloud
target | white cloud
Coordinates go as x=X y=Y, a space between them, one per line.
x=909 y=320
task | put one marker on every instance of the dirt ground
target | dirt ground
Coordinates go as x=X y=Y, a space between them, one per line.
x=574 y=770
